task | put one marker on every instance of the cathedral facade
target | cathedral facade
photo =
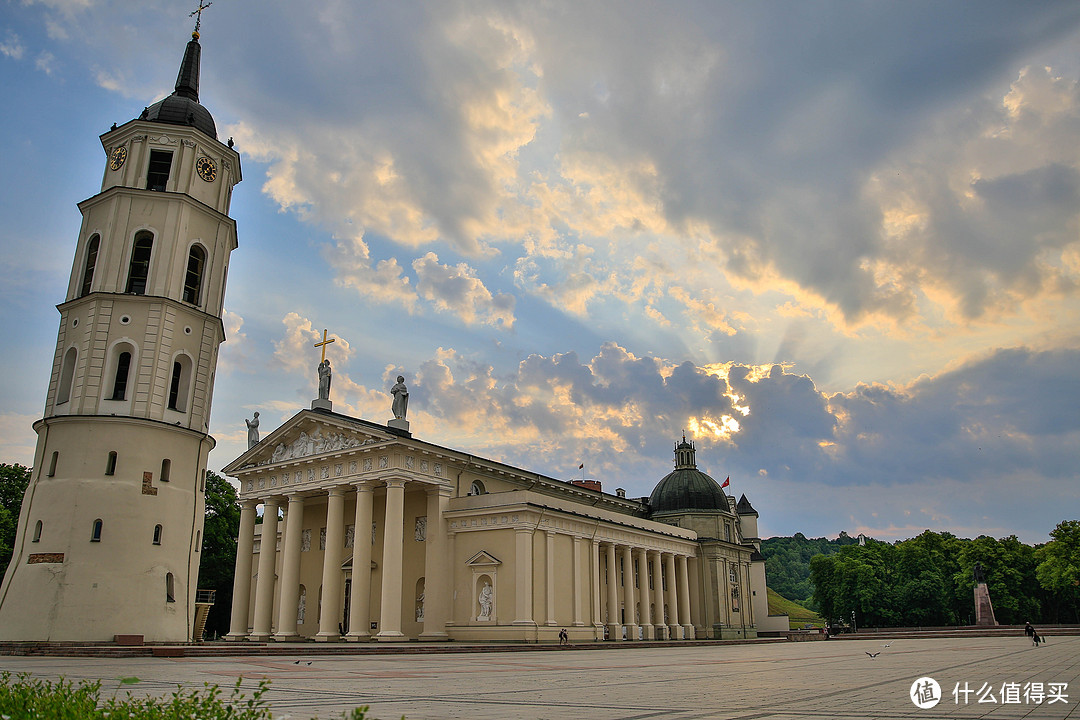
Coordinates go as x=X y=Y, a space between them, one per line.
x=368 y=533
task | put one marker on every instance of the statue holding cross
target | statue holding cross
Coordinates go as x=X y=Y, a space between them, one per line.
x=324 y=369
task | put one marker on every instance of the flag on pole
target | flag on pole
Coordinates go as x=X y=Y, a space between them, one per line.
x=581 y=466
x=726 y=482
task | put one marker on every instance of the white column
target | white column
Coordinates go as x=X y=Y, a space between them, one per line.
x=675 y=630
x=660 y=626
x=685 y=614
x=289 y=595
x=436 y=566
x=451 y=582
x=613 y=622
x=329 y=622
x=264 y=585
x=523 y=603
x=393 y=537
x=644 y=596
x=360 y=598
x=549 y=576
x=238 y=624
x=629 y=594
x=594 y=584
x=576 y=585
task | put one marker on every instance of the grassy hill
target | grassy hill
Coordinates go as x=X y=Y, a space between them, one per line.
x=797 y=614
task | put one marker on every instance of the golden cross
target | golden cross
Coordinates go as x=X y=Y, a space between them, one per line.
x=323 y=344
x=198 y=14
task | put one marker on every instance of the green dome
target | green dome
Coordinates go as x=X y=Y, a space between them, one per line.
x=687 y=489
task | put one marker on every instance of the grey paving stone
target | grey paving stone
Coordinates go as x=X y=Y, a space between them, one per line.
x=789 y=681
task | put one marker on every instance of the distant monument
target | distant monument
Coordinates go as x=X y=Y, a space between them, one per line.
x=984 y=609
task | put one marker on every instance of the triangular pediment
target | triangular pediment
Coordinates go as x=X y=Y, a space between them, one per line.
x=306 y=434
x=484 y=559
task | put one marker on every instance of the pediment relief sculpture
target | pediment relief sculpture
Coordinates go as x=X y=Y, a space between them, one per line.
x=320 y=440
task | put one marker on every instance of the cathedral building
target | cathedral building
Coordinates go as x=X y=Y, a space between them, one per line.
x=109 y=537
x=387 y=537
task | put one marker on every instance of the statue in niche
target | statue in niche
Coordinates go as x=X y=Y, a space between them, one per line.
x=253 y=430
x=301 y=606
x=324 y=380
x=420 y=608
x=401 y=398
x=487 y=598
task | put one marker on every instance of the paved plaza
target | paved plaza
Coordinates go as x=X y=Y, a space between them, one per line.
x=781 y=681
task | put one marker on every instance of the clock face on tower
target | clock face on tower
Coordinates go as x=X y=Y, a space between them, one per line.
x=117 y=157
x=206 y=168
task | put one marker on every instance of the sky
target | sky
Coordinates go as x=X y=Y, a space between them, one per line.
x=836 y=244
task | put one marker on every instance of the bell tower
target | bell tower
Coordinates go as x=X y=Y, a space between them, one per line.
x=109 y=537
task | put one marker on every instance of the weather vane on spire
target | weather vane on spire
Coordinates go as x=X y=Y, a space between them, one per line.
x=198 y=16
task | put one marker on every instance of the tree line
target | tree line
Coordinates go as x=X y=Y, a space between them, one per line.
x=929 y=580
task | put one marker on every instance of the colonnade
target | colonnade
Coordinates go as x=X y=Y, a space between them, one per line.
x=661 y=612
x=631 y=604
x=436 y=578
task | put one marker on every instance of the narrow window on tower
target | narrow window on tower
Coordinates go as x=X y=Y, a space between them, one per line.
x=91 y=262
x=198 y=541
x=67 y=375
x=110 y=464
x=193 y=278
x=123 y=366
x=174 y=386
x=180 y=383
x=95 y=534
x=166 y=467
x=52 y=464
x=157 y=173
x=169 y=595
x=157 y=534
x=37 y=531
x=139 y=268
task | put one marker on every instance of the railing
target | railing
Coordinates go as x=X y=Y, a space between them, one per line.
x=205 y=596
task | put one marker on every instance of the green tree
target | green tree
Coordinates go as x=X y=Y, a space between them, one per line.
x=220 y=529
x=13 y=482
x=1058 y=571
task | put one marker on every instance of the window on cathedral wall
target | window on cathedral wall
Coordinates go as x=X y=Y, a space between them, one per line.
x=170 y=595
x=166 y=469
x=157 y=534
x=95 y=532
x=37 y=531
x=110 y=464
x=52 y=464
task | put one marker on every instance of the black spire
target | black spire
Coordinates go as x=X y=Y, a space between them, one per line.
x=182 y=107
x=187 y=81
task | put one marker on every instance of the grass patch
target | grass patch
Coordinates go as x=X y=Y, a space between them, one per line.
x=797 y=614
x=26 y=698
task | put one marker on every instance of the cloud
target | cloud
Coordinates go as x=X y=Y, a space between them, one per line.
x=11 y=46
x=457 y=289
x=46 y=63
